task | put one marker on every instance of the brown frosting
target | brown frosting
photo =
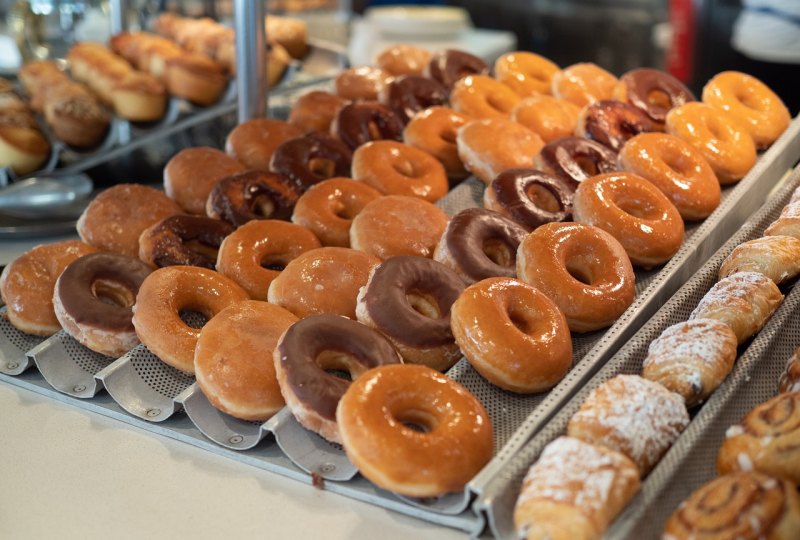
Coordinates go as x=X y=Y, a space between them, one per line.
x=359 y=123
x=612 y=123
x=296 y=158
x=411 y=94
x=301 y=346
x=252 y=195
x=512 y=190
x=640 y=85
x=566 y=158
x=387 y=304
x=449 y=66
x=168 y=242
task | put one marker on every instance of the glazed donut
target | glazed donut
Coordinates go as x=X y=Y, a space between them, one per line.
x=183 y=240
x=191 y=174
x=483 y=97
x=311 y=159
x=315 y=111
x=93 y=298
x=550 y=118
x=612 y=123
x=233 y=359
x=168 y=292
x=408 y=300
x=398 y=225
x=403 y=60
x=116 y=218
x=490 y=146
x=529 y=197
x=252 y=195
x=450 y=66
x=633 y=211
x=359 y=123
x=677 y=169
x=582 y=268
x=450 y=447
x=583 y=84
x=719 y=137
x=653 y=92
x=479 y=243
x=307 y=353
x=751 y=102
x=322 y=280
x=501 y=323
x=327 y=209
x=409 y=94
x=434 y=131
x=27 y=284
x=526 y=73
x=255 y=253
x=575 y=159
x=362 y=83
x=253 y=142
x=394 y=168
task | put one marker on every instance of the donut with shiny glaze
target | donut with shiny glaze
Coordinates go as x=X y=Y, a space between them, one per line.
x=315 y=111
x=183 y=240
x=403 y=59
x=526 y=73
x=653 y=92
x=362 y=83
x=550 y=118
x=481 y=96
x=252 y=195
x=191 y=174
x=409 y=94
x=529 y=197
x=612 y=123
x=311 y=159
x=434 y=131
x=253 y=142
x=359 y=123
x=583 y=83
x=449 y=66
x=575 y=159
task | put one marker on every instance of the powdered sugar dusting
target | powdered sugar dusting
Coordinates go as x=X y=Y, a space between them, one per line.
x=702 y=340
x=739 y=288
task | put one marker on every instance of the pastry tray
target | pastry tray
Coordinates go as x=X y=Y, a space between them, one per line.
x=140 y=390
x=690 y=461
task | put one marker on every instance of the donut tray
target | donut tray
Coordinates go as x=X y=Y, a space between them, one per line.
x=142 y=391
x=691 y=460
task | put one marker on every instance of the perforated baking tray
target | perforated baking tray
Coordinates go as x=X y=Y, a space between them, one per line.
x=142 y=391
x=690 y=461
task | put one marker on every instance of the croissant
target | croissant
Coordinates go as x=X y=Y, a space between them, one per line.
x=788 y=223
x=777 y=257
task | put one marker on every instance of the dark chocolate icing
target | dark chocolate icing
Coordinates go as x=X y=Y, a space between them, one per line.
x=76 y=289
x=353 y=121
x=449 y=66
x=561 y=157
x=293 y=158
x=170 y=236
x=612 y=123
x=239 y=198
x=387 y=303
x=308 y=338
x=511 y=189
x=411 y=94
x=640 y=83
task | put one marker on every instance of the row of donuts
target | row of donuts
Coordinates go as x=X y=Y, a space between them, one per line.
x=628 y=422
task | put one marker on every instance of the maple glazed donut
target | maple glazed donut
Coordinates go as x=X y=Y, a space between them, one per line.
x=526 y=73
x=312 y=347
x=490 y=146
x=529 y=197
x=256 y=253
x=394 y=168
x=434 y=131
x=750 y=101
x=677 y=169
x=481 y=96
x=452 y=444
x=722 y=140
x=359 y=123
x=27 y=283
x=252 y=195
x=612 y=123
x=575 y=159
x=583 y=83
x=168 y=292
x=653 y=92
x=550 y=118
x=311 y=159
x=501 y=323
x=184 y=240
x=315 y=111
x=252 y=143
x=93 y=298
x=582 y=268
x=191 y=174
x=480 y=243
x=410 y=94
x=403 y=59
x=362 y=83
x=634 y=212
x=449 y=66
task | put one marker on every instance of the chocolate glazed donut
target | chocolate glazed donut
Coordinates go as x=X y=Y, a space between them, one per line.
x=449 y=66
x=642 y=84
x=575 y=159
x=252 y=195
x=612 y=123
x=480 y=243
x=518 y=194
x=311 y=159
x=359 y=123
x=411 y=94
x=319 y=343
x=187 y=240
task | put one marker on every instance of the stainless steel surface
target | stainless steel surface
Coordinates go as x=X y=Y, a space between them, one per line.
x=38 y=196
x=75 y=376
x=251 y=58
x=13 y=346
x=118 y=15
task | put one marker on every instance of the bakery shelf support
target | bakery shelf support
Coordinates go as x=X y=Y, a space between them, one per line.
x=251 y=58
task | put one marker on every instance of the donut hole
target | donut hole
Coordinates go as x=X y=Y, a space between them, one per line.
x=193 y=318
x=579 y=269
x=715 y=129
x=424 y=304
x=499 y=252
x=342 y=365
x=343 y=211
x=374 y=131
x=543 y=198
x=264 y=206
x=588 y=165
x=113 y=293
x=404 y=167
x=519 y=319
x=659 y=98
x=322 y=168
x=206 y=251
x=498 y=103
x=637 y=207
x=271 y=262
x=417 y=420
x=749 y=99
x=679 y=163
x=449 y=136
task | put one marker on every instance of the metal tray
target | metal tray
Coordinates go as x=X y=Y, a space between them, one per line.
x=678 y=470
x=155 y=398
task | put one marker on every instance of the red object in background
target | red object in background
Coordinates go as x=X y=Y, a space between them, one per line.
x=681 y=50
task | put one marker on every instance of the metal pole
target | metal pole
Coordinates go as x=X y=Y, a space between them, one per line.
x=251 y=58
x=119 y=19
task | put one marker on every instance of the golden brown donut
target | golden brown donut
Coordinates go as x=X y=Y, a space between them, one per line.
x=289 y=32
x=168 y=292
x=501 y=323
x=490 y=146
x=394 y=168
x=398 y=225
x=315 y=111
x=327 y=209
x=634 y=212
x=403 y=59
x=233 y=359
x=526 y=73
x=190 y=175
x=481 y=96
x=582 y=268
x=252 y=143
x=116 y=218
x=322 y=280
x=255 y=253
x=27 y=284
x=550 y=118
x=374 y=415
x=676 y=168
x=362 y=83
x=583 y=84
x=434 y=131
